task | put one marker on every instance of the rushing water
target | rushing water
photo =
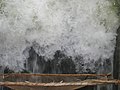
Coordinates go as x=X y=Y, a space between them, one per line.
x=38 y=33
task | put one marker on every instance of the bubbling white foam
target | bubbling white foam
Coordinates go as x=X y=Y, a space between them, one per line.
x=76 y=27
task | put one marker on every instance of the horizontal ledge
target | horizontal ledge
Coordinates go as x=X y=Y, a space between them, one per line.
x=60 y=75
x=53 y=84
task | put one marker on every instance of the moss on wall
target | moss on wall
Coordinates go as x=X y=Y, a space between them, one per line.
x=116 y=7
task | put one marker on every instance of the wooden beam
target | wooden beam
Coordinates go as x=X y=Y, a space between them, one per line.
x=52 y=75
x=52 y=84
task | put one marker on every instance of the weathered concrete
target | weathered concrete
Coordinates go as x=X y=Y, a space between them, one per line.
x=116 y=62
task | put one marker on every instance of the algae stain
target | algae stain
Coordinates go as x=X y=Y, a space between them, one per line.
x=116 y=7
x=108 y=13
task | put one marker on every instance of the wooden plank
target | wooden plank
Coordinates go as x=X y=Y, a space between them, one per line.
x=82 y=83
x=52 y=75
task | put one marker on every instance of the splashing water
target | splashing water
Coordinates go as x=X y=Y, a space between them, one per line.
x=76 y=27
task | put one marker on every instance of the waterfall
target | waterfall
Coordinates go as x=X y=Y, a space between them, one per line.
x=34 y=32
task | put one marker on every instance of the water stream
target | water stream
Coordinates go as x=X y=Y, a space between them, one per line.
x=58 y=36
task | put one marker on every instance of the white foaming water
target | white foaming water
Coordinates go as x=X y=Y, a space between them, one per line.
x=76 y=27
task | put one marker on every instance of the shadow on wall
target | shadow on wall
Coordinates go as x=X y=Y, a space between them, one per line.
x=5 y=88
x=59 y=64
x=87 y=88
x=63 y=64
